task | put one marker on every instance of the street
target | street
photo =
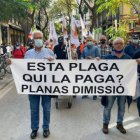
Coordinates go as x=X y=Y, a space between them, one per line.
x=82 y=122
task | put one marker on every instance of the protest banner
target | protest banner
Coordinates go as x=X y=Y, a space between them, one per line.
x=70 y=77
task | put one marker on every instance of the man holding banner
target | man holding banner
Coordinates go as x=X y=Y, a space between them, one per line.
x=39 y=53
x=109 y=101
x=90 y=52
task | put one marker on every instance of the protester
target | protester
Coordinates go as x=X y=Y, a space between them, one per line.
x=108 y=101
x=90 y=52
x=31 y=45
x=50 y=44
x=137 y=56
x=22 y=47
x=133 y=47
x=3 y=49
x=74 y=54
x=9 y=50
x=60 y=50
x=80 y=49
x=39 y=53
x=18 y=52
x=104 y=48
x=110 y=44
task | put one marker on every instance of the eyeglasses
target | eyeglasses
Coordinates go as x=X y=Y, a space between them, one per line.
x=89 y=40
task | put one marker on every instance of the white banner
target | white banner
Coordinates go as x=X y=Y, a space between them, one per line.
x=69 y=77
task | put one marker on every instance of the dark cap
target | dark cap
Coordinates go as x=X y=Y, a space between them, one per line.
x=135 y=36
x=17 y=44
x=61 y=39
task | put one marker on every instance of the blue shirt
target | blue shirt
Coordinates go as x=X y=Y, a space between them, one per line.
x=113 y=56
x=92 y=52
x=43 y=54
x=131 y=50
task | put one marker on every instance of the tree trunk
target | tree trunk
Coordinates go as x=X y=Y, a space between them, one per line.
x=80 y=9
x=93 y=20
x=93 y=11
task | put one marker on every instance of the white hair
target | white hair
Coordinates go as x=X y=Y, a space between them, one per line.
x=35 y=32
x=118 y=39
x=103 y=36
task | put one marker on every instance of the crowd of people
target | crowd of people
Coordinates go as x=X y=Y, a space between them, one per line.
x=88 y=49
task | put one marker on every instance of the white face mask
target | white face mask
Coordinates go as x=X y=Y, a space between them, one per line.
x=18 y=48
x=38 y=43
x=136 y=41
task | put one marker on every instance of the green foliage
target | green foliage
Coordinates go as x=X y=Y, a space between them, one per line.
x=62 y=7
x=112 y=5
x=14 y=8
x=19 y=8
x=58 y=27
x=121 y=31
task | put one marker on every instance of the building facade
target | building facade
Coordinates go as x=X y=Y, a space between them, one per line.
x=11 y=32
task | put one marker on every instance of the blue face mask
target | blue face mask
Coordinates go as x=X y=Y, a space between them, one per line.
x=38 y=43
x=89 y=43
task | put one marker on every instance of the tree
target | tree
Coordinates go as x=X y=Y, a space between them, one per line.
x=13 y=8
x=112 y=5
x=80 y=4
x=26 y=11
x=92 y=8
x=42 y=19
x=63 y=7
x=121 y=31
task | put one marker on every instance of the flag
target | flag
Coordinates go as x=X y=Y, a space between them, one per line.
x=30 y=35
x=78 y=1
x=74 y=33
x=53 y=35
x=64 y=27
x=78 y=23
x=89 y=33
x=83 y=29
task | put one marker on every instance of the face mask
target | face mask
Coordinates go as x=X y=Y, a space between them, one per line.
x=118 y=52
x=136 y=41
x=18 y=48
x=103 y=41
x=89 y=43
x=38 y=43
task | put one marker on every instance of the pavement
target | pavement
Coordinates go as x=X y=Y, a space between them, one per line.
x=82 y=122
x=5 y=81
